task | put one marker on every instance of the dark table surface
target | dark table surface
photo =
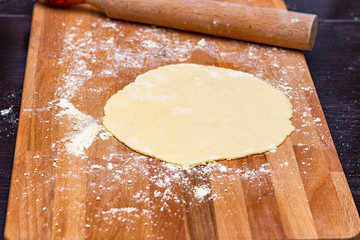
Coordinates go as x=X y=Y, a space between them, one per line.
x=334 y=65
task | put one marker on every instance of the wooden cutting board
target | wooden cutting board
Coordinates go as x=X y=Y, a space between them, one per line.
x=71 y=180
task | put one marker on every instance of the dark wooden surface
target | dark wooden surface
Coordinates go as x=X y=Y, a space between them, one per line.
x=334 y=64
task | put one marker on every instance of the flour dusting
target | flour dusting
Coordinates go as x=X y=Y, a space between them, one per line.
x=125 y=188
x=202 y=191
x=5 y=112
x=86 y=129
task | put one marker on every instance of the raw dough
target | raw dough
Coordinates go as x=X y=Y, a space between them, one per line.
x=189 y=114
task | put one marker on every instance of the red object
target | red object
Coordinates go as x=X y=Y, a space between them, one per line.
x=65 y=2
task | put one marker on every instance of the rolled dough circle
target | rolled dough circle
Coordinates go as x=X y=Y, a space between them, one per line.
x=189 y=114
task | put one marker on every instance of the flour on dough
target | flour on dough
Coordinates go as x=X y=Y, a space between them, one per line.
x=189 y=114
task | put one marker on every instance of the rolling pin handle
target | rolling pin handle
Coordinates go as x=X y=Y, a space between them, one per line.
x=64 y=3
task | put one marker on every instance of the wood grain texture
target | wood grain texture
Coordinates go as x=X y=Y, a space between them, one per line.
x=225 y=19
x=55 y=194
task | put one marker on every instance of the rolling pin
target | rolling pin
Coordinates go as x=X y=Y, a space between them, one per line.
x=232 y=20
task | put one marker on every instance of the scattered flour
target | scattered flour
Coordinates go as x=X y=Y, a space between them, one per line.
x=6 y=111
x=284 y=89
x=116 y=210
x=96 y=167
x=110 y=166
x=86 y=128
x=105 y=135
x=8 y=115
x=202 y=191
x=201 y=43
x=272 y=148
x=316 y=120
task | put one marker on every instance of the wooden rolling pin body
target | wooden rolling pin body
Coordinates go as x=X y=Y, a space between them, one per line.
x=263 y=25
